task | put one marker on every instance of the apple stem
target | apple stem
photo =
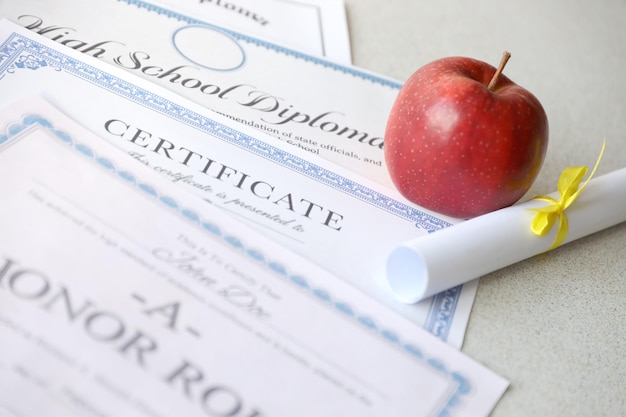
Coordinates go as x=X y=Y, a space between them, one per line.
x=505 y=58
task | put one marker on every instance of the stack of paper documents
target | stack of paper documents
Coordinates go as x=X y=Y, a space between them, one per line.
x=120 y=282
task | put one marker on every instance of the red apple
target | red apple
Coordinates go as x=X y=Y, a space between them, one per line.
x=462 y=139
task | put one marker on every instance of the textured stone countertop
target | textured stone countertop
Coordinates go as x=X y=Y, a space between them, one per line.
x=553 y=325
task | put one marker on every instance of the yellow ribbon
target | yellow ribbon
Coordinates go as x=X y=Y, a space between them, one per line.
x=569 y=190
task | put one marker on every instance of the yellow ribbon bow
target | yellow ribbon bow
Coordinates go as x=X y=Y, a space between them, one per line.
x=568 y=189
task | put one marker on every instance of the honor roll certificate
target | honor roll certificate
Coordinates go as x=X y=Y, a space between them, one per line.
x=123 y=295
x=332 y=111
x=338 y=220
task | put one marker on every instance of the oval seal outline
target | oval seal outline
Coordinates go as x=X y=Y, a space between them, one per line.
x=232 y=55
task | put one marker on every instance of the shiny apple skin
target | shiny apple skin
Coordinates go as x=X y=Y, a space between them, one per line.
x=455 y=147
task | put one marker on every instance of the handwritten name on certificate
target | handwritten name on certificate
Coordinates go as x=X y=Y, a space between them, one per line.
x=332 y=111
x=122 y=294
x=316 y=27
x=330 y=215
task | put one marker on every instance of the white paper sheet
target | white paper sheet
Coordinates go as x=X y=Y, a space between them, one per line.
x=331 y=216
x=317 y=27
x=123 y=295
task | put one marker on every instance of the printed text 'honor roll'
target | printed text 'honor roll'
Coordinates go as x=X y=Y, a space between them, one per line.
x=425 y=266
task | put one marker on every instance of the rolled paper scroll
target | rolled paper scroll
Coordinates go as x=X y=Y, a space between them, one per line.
x=427 y=265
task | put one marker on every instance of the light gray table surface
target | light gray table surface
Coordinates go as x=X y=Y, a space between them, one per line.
x=553 y=325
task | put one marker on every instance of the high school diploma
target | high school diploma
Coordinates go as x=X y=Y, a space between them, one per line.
x=330 y=110
x=121 y=294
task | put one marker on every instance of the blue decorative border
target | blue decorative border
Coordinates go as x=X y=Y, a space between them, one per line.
x=21 y=53
x=441 y=313
x=463 y=386
x=254 y=41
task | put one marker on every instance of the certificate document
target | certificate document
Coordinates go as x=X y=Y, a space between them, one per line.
x=121 y=294
x=332 y=111
x=317 y=27
x=333 y=217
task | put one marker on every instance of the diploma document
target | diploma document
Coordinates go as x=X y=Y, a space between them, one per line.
x=337 y=219
x=332 y=111
x=317 y=27
x=122 y=294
